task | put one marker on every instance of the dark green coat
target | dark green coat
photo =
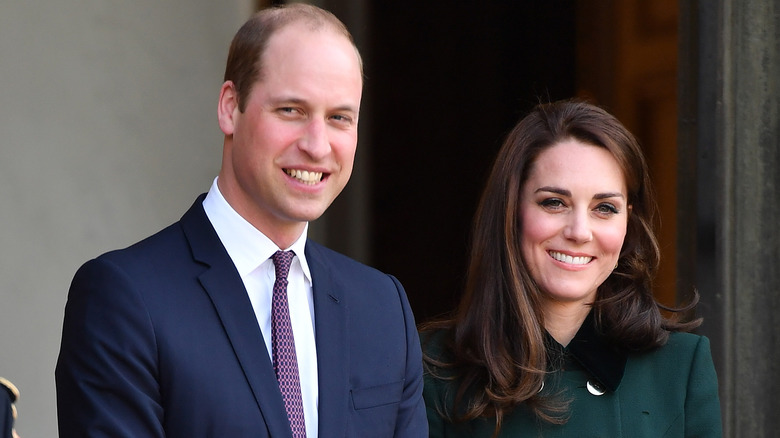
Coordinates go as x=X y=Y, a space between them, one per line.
x=668 y=392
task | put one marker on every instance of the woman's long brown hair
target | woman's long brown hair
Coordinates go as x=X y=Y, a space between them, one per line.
x=495 y=345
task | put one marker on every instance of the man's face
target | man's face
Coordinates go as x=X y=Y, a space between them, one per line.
x=290 y=153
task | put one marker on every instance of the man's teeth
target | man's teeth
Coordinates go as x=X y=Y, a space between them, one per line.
x=305 y=176
x=569 y=259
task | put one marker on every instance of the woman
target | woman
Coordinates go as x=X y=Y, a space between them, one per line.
x=558 y=333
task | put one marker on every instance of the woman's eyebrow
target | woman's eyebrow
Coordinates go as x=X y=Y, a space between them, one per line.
x=564 y=192
x=557 y=190
x=608 y=195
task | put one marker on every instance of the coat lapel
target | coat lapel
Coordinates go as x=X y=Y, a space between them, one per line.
x=330 y=317
x=226 y=290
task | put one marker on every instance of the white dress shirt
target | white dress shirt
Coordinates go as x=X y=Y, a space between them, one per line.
x=251 y=253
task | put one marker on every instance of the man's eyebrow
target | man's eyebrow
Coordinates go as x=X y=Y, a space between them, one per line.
x=286 y=99
x=282 y=100
x=348 y=108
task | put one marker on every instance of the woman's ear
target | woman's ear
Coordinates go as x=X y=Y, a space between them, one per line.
x=227 y=108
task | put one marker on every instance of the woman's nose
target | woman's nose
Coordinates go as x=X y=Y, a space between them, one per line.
x=578 y=229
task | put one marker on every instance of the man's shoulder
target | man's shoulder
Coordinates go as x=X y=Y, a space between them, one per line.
x=318 y=253
x=362 y=283
x=168 y=240
x=162 y=241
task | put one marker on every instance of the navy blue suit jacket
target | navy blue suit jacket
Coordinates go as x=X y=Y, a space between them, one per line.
x=160 y=340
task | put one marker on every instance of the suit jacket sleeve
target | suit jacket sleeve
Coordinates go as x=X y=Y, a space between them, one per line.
x=6 y=416
x=702 y=406
x=106 y=371
x=412 y=420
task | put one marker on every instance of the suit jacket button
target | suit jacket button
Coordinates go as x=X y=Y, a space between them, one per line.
x=595 y=387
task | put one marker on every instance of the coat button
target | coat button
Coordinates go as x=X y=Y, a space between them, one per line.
x=595 y=387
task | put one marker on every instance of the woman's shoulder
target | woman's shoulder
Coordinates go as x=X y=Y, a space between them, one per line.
x=435 y=340
x=681 y=350
x=674 y=378
x=686 y=342
x=440 y=374
x=438 y=355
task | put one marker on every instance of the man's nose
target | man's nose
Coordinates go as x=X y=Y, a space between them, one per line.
x=315 y=141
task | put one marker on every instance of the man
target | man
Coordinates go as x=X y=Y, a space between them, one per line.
x=176 y=337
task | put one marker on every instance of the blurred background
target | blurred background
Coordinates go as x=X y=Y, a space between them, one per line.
x=108 y=133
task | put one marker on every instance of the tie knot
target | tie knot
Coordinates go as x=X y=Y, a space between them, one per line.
x=282 y=261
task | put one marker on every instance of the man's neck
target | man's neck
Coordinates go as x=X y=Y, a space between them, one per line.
x=282 y=233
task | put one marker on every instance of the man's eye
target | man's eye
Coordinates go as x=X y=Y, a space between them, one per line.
x=290 y=111
x=341 y=118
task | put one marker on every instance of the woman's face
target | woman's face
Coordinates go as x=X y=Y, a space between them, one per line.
x=574 y=212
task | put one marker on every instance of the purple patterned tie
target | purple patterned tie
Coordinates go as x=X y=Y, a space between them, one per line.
x=283 y=346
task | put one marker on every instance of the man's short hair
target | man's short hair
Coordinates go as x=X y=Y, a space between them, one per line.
x=244 y=63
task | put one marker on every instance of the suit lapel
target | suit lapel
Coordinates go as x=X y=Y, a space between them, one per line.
x=330 y=316
x=226 y=290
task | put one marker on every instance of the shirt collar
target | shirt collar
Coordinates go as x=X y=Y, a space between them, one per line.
x=597 y=356
x=247 y=246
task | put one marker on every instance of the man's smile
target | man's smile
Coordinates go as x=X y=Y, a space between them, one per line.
x=305 y=176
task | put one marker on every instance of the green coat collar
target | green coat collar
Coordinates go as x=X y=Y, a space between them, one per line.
x=593 y=352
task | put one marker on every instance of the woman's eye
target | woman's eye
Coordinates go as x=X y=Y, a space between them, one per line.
x=552 y=203
x=607 y=209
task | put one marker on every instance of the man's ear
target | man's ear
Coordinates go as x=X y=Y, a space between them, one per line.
x=227 y=109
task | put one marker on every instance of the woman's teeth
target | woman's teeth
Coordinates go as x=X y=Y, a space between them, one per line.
x=569 y=259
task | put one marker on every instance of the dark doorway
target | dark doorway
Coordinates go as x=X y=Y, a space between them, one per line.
x=447 y=81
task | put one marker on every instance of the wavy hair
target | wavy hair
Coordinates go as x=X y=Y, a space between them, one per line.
x=496 y=340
